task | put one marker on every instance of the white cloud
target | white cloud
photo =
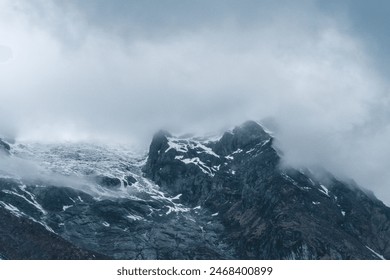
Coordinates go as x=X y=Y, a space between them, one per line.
x=71 y=77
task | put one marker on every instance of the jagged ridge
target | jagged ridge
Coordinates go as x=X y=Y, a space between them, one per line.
x=195 y=198
x=270 y=213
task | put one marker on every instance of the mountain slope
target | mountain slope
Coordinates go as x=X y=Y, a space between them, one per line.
x=96 y=198
x=270 y=213
x=186 y=198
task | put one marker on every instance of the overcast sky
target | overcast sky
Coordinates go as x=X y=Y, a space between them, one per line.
x=316 y=70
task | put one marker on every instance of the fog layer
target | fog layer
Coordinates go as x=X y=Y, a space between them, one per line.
x=120 y=70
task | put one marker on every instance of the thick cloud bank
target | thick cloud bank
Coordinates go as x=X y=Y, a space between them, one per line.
x=119 y=70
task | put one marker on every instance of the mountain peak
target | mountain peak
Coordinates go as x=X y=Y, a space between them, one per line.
x=162 y=133
x=247 y=134
x=251 y=129
x=249 y=124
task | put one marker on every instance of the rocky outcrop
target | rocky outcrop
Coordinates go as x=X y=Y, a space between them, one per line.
x=270 y=213
x=108 y=182
x=22 y=238
x=145 y=225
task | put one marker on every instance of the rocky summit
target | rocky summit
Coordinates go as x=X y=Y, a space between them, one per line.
x=225 y=197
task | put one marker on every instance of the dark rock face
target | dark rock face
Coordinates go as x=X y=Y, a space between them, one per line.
x=267 y=212
x=63 y=223
x=109 y=182
x=130 y=180
x=21 y=238
x=246 y=135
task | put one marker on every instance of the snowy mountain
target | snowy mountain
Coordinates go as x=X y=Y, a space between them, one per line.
x=188 y=197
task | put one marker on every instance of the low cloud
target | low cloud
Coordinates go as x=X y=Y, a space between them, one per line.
x=5 y=53
x=30 y=172
x=80 y=72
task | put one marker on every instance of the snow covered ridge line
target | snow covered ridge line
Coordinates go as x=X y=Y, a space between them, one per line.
x=183 y=145
x=79 y=158
x=75 y=165
x=203 y=151
x=188 y=146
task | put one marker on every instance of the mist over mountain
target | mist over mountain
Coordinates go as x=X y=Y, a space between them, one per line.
x=85 y=86
x=119 y=71
x=227 y=196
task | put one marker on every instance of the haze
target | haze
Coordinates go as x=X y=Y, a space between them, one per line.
x=314 y=71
